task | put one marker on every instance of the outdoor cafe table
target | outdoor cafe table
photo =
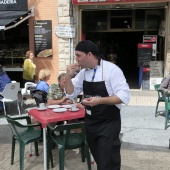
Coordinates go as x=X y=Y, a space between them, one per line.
x=48 y=116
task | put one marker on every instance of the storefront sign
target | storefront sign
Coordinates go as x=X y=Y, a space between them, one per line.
x=144 y=54
x=43 y=38
x=149 y=39
x=79 y=2
x=68 y=31
x=10 y=5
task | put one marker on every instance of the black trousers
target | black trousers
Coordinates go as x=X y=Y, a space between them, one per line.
x=104 y=144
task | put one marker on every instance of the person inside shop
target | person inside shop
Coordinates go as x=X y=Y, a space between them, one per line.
x=28 y=68
x=105 y=89
x=165 y=83
x=112 y=56
x=4 y=80
x=56 y=94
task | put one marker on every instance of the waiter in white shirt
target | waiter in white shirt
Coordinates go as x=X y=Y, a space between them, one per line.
x=105 y=89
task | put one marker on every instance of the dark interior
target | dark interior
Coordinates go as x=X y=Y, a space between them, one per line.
x=125 y=45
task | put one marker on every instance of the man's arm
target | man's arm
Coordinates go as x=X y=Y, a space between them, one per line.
x=71 y=70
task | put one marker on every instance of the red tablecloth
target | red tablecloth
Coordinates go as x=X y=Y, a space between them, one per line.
x=48 y=116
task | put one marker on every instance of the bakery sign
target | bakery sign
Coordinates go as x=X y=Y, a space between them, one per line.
x=43 y=38
x=81 y=2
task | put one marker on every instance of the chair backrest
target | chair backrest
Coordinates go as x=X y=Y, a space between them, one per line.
x=11 y=91
x=16 y=127
x=156 y=86
x=27 y=85
x=72 y=139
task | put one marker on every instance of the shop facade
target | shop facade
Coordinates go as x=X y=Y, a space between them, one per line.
x=120 y=26
x=113 y=25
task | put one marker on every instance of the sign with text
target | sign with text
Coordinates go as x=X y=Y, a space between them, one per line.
x=80 y=2
x=150 y=39
x=10 y=5
x=156 y=69
x=43 y=38
x=144 y=54
x=68 y=31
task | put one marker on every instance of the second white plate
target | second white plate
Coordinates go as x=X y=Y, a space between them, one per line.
x=75 y=110
x=59 y=110
x=53 y=106
x=67 y=106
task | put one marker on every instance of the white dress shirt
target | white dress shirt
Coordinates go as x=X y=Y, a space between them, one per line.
x=110 y=73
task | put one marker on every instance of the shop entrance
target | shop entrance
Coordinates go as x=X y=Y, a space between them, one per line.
x=124 y=44
x=120 y=31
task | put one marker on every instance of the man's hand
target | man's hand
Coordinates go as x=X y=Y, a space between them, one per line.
x=73 y=69
x=92 y=101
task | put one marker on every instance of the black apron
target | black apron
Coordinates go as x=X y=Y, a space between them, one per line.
x=102 y=128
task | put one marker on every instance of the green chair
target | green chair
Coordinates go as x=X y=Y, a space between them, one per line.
x=160 y=99
x=24 y=134
x=69 y=140
x=167 y=108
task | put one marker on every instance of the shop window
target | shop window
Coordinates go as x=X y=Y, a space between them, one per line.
x=94 y=20
x=125 y=22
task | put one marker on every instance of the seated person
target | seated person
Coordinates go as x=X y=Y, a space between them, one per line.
x=56 y=93
x=4 y=80
x=165 y=84
x=43 y=76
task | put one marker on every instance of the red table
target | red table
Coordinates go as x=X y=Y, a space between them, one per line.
x=48 y=116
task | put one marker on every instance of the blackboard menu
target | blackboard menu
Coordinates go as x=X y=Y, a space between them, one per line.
x=144 y=54
x=43 y=38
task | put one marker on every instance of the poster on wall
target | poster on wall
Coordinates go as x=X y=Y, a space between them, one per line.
x=144 y=54
x=43 y=38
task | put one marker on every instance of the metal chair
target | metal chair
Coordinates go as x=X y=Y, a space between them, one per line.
x=10 y=94
x=69 y=140
x=24 y=134
x=160 y=99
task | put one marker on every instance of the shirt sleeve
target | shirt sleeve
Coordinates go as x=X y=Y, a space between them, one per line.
x=119 y=85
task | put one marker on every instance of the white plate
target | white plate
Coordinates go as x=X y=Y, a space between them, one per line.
x=53 y=106
x=67 y=106
x=77 y=109
x=42 y=108
x=59 y=110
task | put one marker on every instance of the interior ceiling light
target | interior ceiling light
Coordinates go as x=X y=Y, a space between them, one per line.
x=20 y=17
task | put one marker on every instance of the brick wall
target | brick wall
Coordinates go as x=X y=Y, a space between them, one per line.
x=58 y=12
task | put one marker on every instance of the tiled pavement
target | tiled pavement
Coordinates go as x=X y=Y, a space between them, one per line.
x=144 y=141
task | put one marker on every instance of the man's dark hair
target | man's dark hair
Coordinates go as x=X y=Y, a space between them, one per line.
x=88 y=46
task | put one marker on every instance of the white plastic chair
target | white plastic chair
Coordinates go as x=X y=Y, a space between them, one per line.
x=10 y=94
x=25 y=91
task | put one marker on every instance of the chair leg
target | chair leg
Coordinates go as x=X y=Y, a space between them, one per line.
x=156 y=111
x=18 y=108
x=166 y=118
x=13 y=151
x=22 y=151
x=83 y=153
x=4 y=108
x=36 y=148
x=61 y=150
x=88 y=156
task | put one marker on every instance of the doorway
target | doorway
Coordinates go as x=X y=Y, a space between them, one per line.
x=125 y=45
